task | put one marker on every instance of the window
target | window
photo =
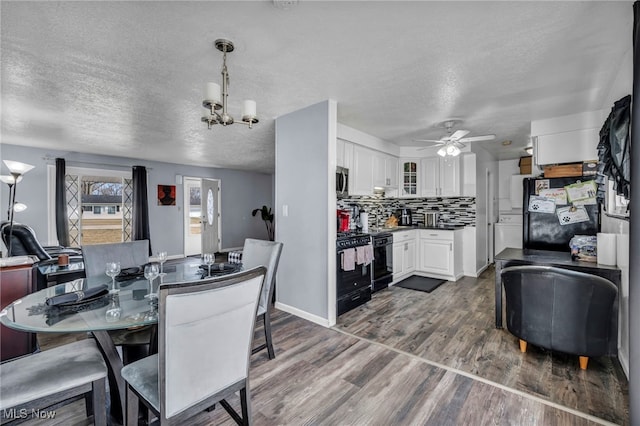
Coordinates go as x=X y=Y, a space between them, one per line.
x=98 y=205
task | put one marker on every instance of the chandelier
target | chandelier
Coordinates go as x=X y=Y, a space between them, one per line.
x=214 y=101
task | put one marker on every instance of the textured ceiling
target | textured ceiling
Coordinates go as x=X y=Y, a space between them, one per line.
x=127 y=78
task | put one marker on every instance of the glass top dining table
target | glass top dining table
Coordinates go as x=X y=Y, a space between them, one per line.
x=31 y=313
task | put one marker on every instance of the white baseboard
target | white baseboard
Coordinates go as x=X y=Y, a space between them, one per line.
x=303 y=314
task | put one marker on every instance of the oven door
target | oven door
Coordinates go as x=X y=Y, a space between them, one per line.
x=382 y=261
x=348 y=281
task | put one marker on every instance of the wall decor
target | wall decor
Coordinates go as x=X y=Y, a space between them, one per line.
x=166 y=195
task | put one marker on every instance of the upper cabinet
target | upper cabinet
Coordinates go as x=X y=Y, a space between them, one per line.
x=372 y=169
x=409 y=177
x=344 y=153
x=567 y=139
x=440 y=176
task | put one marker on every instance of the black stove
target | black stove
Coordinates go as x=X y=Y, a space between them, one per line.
x=351 y=239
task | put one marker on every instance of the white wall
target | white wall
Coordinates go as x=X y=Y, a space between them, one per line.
x=621 y=87
x=242 y=192
x=305 y=212
x=484 y=211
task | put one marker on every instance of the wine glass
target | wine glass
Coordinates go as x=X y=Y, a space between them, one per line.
x=112 y=269
x=151 y=272
x=209 y=258
x=162 y=257
x=114 y=311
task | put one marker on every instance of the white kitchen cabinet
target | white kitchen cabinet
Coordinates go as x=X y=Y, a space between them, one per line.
x=361 y=179
x=385 y=170
x=409 y=177
x=440 y=253
x=404 y=254
x=440 y=176
x=344 y=153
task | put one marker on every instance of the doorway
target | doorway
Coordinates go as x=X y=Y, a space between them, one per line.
x=210 y=208
x=201 y=235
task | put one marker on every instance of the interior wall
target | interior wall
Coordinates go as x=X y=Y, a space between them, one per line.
x=305 y=143
x=242 y=191
x=621 y=87
x=484 y=161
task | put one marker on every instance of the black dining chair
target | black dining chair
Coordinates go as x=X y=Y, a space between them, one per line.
x=267 y=254
x=205 y=330
x=560 y=309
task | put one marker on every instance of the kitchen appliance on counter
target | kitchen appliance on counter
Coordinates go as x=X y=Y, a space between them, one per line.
x=431 y=219
x=543 y=231
x=382 y=271
x=343 y=220
x=353 y=287
x=404 y=217
x=342 y=182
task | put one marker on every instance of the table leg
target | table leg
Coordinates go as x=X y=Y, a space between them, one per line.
x=117 y=385
x=498 y=295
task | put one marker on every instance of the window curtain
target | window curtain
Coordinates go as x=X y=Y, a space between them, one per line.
x=140 y=213
x=614 y=149
x=62 y=219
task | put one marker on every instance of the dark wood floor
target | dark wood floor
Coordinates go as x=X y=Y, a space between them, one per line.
x=413 y=358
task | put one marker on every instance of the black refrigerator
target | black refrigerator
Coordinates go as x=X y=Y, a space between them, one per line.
x=543 y=231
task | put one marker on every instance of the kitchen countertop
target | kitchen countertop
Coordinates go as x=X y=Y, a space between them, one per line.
x=374 y=231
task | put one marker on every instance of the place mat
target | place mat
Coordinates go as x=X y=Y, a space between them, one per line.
x=421 y=283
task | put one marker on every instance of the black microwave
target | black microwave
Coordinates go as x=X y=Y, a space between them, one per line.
x=342 y=182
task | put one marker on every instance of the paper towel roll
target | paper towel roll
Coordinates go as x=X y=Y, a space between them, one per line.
x=622 y=250
x=364 y=221
x=606 y=249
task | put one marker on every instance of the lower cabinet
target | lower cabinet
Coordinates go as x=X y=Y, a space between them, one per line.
x=404 y=254
x=440 y=253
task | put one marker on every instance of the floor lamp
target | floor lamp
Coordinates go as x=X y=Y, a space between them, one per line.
x=17 y=169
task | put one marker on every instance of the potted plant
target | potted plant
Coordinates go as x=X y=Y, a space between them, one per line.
x=267 y=217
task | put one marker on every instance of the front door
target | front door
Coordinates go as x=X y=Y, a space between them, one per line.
x=192 y=216
x=210 y=216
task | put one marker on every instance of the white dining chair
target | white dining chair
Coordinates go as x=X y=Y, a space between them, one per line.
x=205 y=330
x=267 y=254
x=47 y=379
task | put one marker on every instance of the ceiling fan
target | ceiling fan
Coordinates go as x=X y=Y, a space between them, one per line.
x=452 y=143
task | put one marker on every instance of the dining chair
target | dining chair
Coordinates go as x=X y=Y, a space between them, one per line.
x=129 y=253
x=135 y=343
x=267 y=254
x=43 y=381
x=561 y=310
x=205 y=330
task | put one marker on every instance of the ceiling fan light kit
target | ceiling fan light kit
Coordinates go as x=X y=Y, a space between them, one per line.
x=453 y=142
x=215 y=101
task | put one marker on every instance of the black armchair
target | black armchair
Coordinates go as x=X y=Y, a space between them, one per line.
x=24 y=243
x=561 y=310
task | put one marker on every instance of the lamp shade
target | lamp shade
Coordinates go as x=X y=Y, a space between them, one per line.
x=17 y=168
x=19 y=207
x=249 y=108
x=213 y=93
x=9 y=179
x=442 y=152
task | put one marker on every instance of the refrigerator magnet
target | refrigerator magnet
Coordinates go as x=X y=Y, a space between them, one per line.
x=541 y=184
x=572 y=214
x=581 y=191
x=541 y=204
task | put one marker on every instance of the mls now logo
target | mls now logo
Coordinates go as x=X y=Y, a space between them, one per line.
x=23 y=413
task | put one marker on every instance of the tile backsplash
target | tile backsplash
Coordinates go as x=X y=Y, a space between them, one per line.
x=452 y=210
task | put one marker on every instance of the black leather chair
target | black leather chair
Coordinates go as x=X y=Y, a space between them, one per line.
x=24 y=243
x=561 y=310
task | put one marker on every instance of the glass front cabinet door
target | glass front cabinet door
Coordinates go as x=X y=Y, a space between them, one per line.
x=410 y=171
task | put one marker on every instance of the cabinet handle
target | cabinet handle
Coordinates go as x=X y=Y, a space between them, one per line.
x=406 y=246
x=450 y=246
x=433 y=235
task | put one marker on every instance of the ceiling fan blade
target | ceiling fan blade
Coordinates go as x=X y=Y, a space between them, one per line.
x=478 y=138
x=458 y=134
x=439 y=142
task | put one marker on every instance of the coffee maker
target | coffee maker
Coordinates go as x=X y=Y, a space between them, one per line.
x=343 y=220
x=404 y=217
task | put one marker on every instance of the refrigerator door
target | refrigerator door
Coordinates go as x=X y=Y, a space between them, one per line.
x=542 y=231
